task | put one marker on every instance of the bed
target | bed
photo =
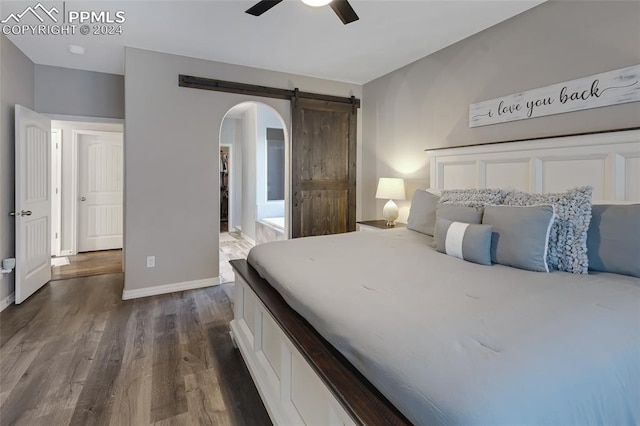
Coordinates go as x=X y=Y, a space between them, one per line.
x=398 y=333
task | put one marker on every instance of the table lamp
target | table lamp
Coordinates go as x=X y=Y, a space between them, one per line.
x=390 y=189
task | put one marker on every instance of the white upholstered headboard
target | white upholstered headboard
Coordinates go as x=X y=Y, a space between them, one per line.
x=610 y=162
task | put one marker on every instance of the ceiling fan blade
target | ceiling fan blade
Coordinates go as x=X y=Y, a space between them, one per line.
x=345 y=12
x=261 y=7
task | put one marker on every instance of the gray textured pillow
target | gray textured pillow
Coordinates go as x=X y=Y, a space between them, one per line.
x=464 y=241
x=456 y=213
x=520 y=235
x=422 y=215
x=473 y=197
x=568 y=237
x=613 y=240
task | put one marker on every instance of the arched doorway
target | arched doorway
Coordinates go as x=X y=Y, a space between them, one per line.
x=254 y=179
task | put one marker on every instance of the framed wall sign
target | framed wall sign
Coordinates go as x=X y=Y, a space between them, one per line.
x=599 y=90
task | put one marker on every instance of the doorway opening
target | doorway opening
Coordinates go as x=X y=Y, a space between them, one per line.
x=225 y=164
x=50 y=171
x=255 y=139
x=87 y=198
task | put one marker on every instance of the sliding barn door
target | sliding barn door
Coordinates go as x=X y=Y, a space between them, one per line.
x=323 y=177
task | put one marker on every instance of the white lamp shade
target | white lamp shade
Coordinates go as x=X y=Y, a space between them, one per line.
x=391 y=189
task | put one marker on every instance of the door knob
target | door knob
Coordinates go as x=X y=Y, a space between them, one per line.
x=83 y=199
x=22 y=213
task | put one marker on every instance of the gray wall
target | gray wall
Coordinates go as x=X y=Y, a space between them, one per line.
x=73 y=93
x=16 y=87
x=266 y=119
x=171 y=143
x=78 y=93
x=249 y=171
x=425 y=104
x=254 y=206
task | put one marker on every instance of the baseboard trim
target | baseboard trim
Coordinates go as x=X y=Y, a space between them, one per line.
x=7 y=301
x=169 y=288
x=66 y=253
x=248 y=238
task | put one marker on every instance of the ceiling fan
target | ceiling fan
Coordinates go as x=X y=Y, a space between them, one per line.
x=342 y=8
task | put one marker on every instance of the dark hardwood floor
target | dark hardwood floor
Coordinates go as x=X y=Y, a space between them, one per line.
x=88 y=264
x=75 y=353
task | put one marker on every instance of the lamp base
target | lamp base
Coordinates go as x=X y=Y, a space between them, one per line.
x=390 y=213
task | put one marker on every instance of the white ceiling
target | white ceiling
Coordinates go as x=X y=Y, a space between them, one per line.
x=291 y=37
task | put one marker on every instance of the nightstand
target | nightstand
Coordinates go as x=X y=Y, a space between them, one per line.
x=378 y=225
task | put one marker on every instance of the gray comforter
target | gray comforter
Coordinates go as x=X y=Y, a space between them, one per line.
x=452 y=342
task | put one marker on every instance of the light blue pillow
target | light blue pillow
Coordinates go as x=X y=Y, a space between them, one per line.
x=464 y=241
x=613 y=240
x=520 y=235
x=457 y=213
x=568 y=237
x=422 y=216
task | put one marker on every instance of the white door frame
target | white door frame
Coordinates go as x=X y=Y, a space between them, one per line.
x=230 y=209
x=75 y=171
x=56 y=191
x=84 y=119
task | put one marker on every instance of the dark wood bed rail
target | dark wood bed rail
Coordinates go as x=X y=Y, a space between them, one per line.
x=354 y=392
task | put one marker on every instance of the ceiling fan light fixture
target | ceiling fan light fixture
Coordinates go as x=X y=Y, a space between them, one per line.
x=342 y=8
x=316 y=3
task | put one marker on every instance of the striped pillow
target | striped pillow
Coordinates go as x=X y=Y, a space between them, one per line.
x=465 y=241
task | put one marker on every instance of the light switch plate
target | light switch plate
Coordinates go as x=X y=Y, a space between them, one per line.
x=151 y=261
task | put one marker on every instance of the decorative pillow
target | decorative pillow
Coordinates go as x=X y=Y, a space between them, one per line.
x=568 y=236
x=520 y=235
x=422 y=215
x=464 y=241
x=456 y=213
x=477 y=198
x=613 y=239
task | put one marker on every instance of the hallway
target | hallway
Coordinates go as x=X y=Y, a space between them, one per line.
x=89 y=264
x=232 y=246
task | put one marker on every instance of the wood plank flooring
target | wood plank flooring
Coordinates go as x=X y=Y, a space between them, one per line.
x=76 y=354
x=232 y=246
x=88 y=264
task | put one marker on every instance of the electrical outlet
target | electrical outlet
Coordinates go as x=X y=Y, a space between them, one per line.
x=151 y=261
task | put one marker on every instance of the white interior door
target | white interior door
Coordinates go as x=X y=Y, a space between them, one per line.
x=33 y=202
x=100 y=190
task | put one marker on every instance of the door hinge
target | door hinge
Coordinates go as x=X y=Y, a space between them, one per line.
x=56 y=235
x=56 y=145
x=56 y=190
